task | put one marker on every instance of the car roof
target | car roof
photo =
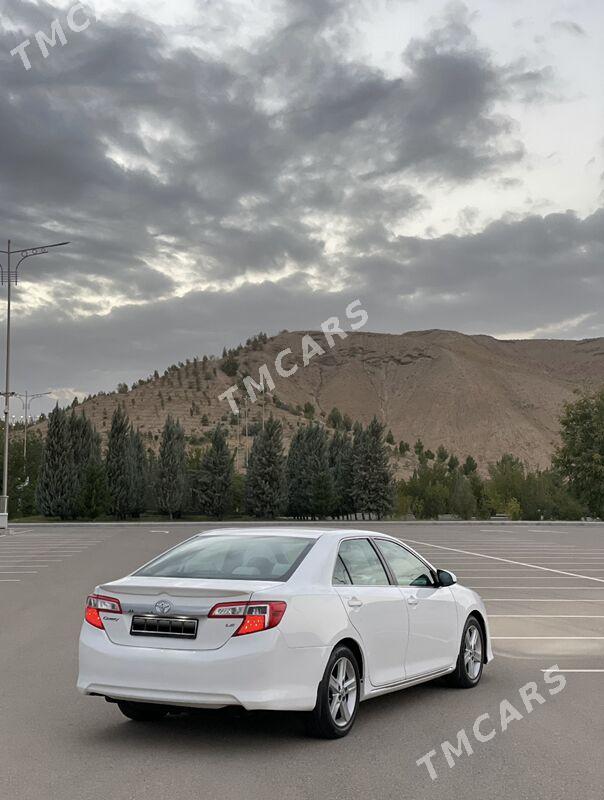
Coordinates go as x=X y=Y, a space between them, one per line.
x=275 y=530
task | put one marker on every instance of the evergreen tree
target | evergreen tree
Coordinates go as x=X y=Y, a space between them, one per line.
x=340 y=463
x=265 y=485
x=403 y=447
x=137 y=460
x=90 y=481
x=463 y=502
x=335 y=419
x=214 y=483
x=151 y=486
x=318 y=469
x=298 y=493
x=172 y=469
x=309 y=484
x=118 y=464
x=373 y=485
x=94 y=498
x=56 y=491
x=469 y=466
x=81 y=433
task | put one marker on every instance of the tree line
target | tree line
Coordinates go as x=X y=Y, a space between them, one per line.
x=343 y=473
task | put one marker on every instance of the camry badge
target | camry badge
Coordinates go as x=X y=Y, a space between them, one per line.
x=163 y=607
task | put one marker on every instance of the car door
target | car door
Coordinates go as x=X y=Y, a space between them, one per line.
x=375 y=607
x=432 y=643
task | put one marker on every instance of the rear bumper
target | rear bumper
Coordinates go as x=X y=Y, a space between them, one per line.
x=258 y=671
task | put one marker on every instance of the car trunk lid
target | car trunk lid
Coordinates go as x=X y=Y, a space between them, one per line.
x=157 y=611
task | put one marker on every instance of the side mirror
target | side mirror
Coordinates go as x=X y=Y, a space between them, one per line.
x=446 y=578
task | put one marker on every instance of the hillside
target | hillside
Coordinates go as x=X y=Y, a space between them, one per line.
x=474 y=394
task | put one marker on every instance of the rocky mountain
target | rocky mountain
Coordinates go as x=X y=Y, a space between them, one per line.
x=474 y=394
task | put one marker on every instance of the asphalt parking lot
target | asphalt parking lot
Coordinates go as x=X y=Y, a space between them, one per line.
x=544 y=590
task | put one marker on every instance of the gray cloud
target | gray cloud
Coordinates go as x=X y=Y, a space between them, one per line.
x=222 y=194
x=568 y=26
x=515 y=276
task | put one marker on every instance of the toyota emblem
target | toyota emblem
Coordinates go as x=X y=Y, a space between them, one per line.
x=163 y=607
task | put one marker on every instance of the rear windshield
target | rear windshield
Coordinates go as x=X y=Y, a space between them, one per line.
x=237 y=558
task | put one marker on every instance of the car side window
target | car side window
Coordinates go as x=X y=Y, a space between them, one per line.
x=340 y=574
x=407 y=568
x=362 y=563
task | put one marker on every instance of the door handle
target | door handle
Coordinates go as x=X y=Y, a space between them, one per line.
x=413 y=601
x=354 y=602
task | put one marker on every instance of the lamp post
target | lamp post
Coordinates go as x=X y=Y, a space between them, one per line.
x=9 y=276
x=26 y=399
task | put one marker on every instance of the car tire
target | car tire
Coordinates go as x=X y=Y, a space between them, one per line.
x=142 y=712
x=470 y=661
x=338 y=696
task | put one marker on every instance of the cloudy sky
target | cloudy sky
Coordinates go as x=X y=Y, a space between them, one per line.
x=228 y=166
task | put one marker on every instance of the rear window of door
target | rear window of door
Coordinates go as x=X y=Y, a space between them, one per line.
x=362 y=564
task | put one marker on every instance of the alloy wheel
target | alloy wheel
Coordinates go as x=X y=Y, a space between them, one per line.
x=342 y=691
x=472 y=656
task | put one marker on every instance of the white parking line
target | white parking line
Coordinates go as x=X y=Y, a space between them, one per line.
x=564 y=600
x=510 y=561
x=556 y=638
x=17 y=572
x=557 y=588
x=556 y=671
x=547 y=616
x=10 y=580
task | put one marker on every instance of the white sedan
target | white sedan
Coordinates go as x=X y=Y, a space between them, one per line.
x=280 y=618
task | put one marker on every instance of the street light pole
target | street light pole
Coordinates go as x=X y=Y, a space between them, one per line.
x=11 y=276
x=4 y=498
x=26 y=399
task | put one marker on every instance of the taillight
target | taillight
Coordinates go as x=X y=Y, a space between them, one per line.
x=95 y=603
x=256 y=616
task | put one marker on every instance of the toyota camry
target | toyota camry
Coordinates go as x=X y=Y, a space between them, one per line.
x=292 y=619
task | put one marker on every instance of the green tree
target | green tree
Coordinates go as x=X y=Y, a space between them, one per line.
x=139 y=473
x=298 y=487
x=94 y=499
x=462 y=500
x=309 y=484
x=265 y=473
x=507 y=480
x=23 y=473
x=214 y=482
x=469 y=466
x=230 y=364
x=309 y=410
x=373 y=485
x=403 y=448
x=172 y=469
x=57 y=489
x=513 y=509
x=340 y=464
x=580 y=457
x=335 y=419
x=118 y=464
